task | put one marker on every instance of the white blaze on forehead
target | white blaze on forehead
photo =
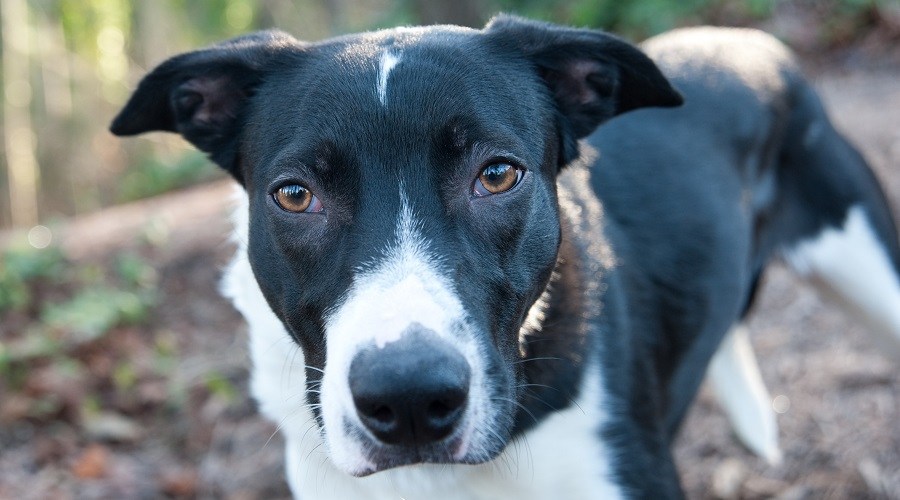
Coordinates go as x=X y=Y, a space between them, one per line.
x=385 y=65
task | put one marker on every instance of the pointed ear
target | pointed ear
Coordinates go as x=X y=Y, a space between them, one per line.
x=202 y=95
x=592 y=75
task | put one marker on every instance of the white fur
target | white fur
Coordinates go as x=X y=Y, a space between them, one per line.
x=739 y=388
x=848 y=264
x=404 y=289
x=562 y=457
x=279 y=378
x=851 y=265
x=385 y=65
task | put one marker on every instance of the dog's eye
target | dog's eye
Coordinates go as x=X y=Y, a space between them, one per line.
x=497 y=178
x=296 y=198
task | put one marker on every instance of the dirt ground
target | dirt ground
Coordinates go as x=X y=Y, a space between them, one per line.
x=190 y=430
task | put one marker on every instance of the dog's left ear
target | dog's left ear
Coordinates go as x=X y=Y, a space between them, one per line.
x=592 y=75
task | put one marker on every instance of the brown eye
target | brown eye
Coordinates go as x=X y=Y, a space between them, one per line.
x=296 y=198
x=497 y=178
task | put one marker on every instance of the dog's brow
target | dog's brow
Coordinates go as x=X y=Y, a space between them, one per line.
x=385 y=65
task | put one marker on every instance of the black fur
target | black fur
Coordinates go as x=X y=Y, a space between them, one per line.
x=645 y=256
x=202 y=95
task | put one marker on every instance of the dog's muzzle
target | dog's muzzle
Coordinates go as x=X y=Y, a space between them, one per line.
x=411 y=393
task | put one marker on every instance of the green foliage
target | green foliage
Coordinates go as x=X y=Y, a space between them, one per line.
x=134 y=271
x=124 y=376
x=62 y=309
x=219 y=386
x=638 y=19
x=165 y=356
x=839 y=20
x=94 y=311
x=19 y=268
x=61 y=305
x=844 y=20
x=31 y=264
x=13 y=293
x=212 y=20
x=83 y=20
x=33 y=345
x=152 y=177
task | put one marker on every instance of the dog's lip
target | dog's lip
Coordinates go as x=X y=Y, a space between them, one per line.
x=381 y=457
x=383 y=463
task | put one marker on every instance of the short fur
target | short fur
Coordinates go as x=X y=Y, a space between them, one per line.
x=586 y=301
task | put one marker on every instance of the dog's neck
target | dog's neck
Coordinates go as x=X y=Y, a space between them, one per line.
x=556 y=341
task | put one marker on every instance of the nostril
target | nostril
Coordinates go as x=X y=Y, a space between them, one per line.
x=378 y=416
x=440 y=416
x=439 y=409
x=375 y=410
x=381 y=413
x=446 y=407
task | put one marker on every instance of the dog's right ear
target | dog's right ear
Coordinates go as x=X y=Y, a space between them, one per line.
x=202 y=95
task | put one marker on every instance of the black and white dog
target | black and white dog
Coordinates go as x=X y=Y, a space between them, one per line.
x=451 y=295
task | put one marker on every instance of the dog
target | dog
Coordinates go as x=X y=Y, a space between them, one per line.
x=460 y=285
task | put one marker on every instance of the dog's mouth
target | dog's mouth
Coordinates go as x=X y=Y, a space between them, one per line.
x=380 y=456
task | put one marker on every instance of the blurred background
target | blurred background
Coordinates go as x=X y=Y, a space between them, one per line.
x=68 y=66
x=123 y=373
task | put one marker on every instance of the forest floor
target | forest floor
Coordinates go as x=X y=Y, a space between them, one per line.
x=158 y=405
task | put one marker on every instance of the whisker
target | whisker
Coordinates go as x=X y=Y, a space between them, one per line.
x=520 y=405
x=277 y=428
x=540 y=400
x=542 y=358
x=314 y=448
x=570 y=400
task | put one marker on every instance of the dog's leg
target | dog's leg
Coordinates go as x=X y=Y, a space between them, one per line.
x=851 y=265
x=739 y=388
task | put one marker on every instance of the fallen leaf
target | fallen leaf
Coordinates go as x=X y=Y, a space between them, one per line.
x=180 y=483
x=92 y=463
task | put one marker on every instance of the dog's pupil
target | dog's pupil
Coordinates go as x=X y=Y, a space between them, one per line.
x=498 y=177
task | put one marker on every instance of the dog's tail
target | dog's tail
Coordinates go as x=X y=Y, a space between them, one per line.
x=830 y=221
x=833 y=224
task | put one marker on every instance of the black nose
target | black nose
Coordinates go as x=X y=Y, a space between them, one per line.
x=412 y=391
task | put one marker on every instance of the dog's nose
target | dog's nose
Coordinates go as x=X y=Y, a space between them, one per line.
x=412 y=391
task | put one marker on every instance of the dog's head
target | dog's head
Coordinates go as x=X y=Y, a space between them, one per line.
x=403 y=212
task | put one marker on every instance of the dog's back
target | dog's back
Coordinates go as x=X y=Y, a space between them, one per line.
x=707 y=194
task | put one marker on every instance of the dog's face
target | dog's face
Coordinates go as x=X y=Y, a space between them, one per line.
x=403 y=214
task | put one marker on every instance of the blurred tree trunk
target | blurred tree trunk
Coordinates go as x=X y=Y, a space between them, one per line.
x=51 y=115
x=21 y=162
x=154 y=32
x=470 y=13
x=337 y=15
